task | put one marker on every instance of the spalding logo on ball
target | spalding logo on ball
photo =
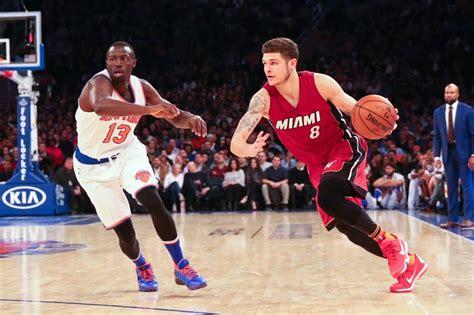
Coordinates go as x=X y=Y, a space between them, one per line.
x=374 y=117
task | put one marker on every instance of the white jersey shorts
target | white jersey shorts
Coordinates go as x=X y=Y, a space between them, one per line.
x=104 y=182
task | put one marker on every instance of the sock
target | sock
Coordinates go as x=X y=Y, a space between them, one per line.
x=412 y=258
x=174 y=249
x=380 y=234
x=140 y=261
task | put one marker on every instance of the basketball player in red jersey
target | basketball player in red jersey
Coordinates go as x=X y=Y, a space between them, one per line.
x=306 y=110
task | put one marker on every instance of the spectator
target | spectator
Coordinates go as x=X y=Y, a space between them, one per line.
x=151 y=149
x=243 y=163
x=55 y=152
x=216 y=177
x=46 y=160
x=194 y=188
x=262 y=161
x=65 y=144
x=275 y=187
x=288 y=161
x=172 y=188
x=300 y=186
x=392 y=186
x=234 y=185
x=253 y=181
x=78 y=199
x=436 y=188
x=165 y=168
x=7 y=170
x=171 y=150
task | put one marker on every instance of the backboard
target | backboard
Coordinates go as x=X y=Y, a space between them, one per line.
x=21 y=46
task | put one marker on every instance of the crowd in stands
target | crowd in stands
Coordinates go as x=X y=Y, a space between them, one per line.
x=212 y=69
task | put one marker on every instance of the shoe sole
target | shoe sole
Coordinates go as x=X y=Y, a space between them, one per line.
x=418 y=276
x=147 y=290
x=179 y=282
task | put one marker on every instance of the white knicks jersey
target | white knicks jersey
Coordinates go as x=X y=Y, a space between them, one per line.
x=104 y=136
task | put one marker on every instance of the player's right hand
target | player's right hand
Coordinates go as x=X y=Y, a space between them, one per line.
x=258 y=145
x=164 y=110
x=437 y=164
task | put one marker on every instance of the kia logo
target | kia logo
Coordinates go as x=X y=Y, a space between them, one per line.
x=24 y=197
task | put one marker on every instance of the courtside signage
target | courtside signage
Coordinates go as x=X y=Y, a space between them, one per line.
x=24 y=197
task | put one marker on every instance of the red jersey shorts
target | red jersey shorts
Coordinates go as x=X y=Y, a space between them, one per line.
x=346 y=160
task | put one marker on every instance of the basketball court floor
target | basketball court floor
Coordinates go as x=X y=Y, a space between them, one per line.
x=254 y=262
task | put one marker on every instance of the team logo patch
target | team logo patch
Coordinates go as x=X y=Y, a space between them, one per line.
x=143 y=176
x=333 y=166
x=21 y=247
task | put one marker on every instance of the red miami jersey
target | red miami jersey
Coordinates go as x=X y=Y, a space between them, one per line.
x=316 y=132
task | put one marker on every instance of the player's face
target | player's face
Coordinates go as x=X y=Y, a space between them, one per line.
x=277 y=69
x=120 y=63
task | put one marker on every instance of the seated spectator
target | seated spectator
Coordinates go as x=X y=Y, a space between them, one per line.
x=370 y=202
x=253 y=181
x=171 y=150
x=414 y=187
x=194 y=188
x=201 y=163
x=243 y=163
x=275 y=189
x=6 y=171
x=300 y=186
x=437 y=192
x=78 y=199
x=392 y=186
x=234 y=185
x=288 y=161
x=165 y=168
x=216 y=177
x=151 y=149
x=172 y=188
x=46 y=160
x=58 y=156
x=262 y=161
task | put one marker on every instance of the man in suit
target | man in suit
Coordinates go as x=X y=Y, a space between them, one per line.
x=454 y=142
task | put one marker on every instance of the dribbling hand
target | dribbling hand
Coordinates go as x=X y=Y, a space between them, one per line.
x=398 y=117
x=198 y=126
x=164 y=110
x=258 y=145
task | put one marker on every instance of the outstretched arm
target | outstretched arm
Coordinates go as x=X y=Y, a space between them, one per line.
x=99 y=99
x=184 y=119
x=258 y=108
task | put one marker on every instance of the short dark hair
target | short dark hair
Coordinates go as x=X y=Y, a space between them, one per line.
x=121 y=43
x=285 y=46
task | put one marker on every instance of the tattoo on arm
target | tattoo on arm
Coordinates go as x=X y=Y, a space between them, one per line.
x=253 y=114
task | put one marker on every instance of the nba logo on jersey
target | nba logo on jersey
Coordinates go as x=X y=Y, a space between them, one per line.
x=143 y=176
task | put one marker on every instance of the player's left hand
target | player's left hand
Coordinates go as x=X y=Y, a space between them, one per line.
x=258 y=145
x=198 y=126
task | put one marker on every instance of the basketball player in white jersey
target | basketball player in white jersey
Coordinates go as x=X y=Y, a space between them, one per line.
x=110 y=158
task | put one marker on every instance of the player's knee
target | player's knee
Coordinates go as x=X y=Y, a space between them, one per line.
x=330 y=192
x=343 y=228
x=149 y=197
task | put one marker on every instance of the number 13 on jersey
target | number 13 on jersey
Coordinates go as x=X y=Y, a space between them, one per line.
x=117 y=134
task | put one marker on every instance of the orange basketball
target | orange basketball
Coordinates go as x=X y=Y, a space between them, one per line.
x=373 y=117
